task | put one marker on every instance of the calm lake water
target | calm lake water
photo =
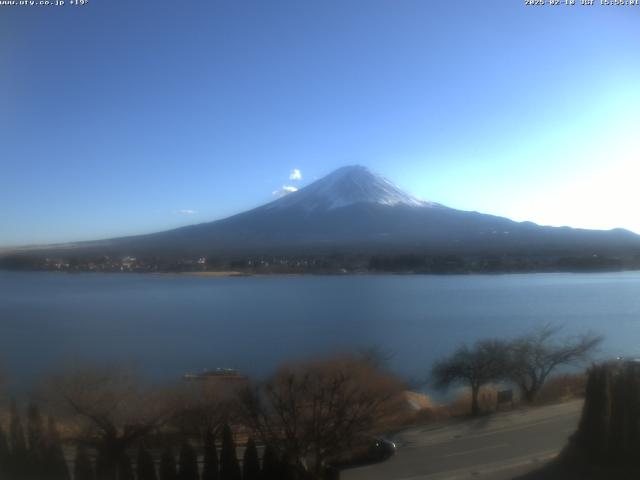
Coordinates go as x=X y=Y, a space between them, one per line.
x=169 y=325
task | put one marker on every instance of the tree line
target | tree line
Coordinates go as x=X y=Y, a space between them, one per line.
x=605 y=444
x=609 y=428
x=295 y=425
x=292 y=426
x=526 y=361
x=422 y=263
x=38 y=455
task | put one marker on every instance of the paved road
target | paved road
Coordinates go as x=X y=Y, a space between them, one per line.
x=495 y=447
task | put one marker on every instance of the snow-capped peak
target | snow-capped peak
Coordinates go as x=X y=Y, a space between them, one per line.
x=347 y=186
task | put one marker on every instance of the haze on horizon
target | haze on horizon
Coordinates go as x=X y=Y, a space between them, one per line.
x=123 y=118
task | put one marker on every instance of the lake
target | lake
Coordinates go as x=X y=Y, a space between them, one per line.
x=171 y=324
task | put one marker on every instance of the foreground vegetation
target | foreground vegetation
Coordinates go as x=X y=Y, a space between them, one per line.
x=605 y=445
x=526 y=361
x=298 y=424
x=292 y=426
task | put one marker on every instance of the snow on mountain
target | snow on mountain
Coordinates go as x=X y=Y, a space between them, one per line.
x=353 y=209
x=347 y=186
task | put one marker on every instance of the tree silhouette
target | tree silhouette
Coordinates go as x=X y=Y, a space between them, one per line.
x=37 y=441
x=288 y=468
x=229 y=466
x=56 y=464
x=188 y=463
x=125 y=470
x=146 y=468
x=83 y=470
x=609 y=429
x=116 y=408
x=535 y=355
x=5 y=455
x=18 y=465
x=168 y=465
x=105 y=469
x=251 y=462
x=270 y=464
x=310 y=412
x=485 y=362
x=210 y=469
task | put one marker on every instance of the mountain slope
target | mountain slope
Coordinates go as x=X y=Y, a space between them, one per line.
x=347 y=186
x=354 y=210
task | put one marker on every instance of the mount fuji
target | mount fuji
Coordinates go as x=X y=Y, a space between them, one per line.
x=353 y=210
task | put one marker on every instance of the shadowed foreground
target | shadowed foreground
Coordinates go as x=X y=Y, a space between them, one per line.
x=606 y=443
x=503 y=445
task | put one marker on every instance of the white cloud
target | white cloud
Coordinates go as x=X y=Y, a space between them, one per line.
x=295 y=174
x=186 y=212
x=285 y=190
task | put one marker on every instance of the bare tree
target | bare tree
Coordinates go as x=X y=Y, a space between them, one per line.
x=203 y=407
x=376 y=356
x=312 y=412
x=535 y=355
x=111 y=410
x=485 y=362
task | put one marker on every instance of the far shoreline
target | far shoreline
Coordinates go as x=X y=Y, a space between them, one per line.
x=239 y=274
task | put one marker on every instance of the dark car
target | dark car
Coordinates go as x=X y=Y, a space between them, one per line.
x=381 y=449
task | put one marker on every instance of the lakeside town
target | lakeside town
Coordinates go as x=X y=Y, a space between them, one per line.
x=325 y=263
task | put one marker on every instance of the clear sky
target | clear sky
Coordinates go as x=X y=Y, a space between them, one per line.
x=130 y=116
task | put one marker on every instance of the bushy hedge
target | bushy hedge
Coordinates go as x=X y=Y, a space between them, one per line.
x=609 y=430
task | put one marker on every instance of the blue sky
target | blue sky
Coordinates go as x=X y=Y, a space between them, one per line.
x=123 y=117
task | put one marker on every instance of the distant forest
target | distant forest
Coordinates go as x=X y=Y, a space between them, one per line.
x=330 y=263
